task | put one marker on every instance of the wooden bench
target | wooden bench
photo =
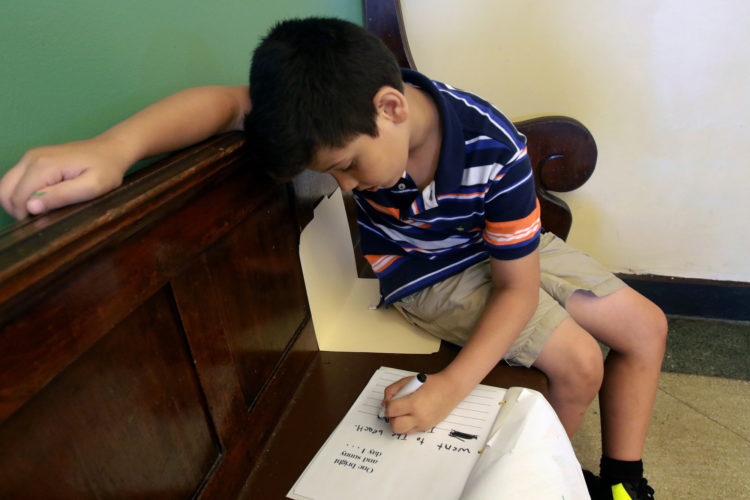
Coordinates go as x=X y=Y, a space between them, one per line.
x=156 y=342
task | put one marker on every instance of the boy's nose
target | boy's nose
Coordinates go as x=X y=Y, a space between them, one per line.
x=345 y=182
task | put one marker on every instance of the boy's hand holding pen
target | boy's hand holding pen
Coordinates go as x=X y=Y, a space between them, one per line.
x=410 y=386
x=421 y=405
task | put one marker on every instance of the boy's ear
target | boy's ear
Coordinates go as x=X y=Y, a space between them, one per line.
x=391 y=104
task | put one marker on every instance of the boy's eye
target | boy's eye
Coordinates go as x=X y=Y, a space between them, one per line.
x=349 y=167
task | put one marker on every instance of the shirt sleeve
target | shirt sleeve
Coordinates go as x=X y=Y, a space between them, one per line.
x=512 y=224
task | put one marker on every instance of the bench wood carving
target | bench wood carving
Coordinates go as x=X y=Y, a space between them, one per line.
x=156 y=342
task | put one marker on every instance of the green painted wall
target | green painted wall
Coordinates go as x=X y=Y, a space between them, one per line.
x=69 y=70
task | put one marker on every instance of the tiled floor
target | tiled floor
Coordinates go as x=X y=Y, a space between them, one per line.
x=698 y=445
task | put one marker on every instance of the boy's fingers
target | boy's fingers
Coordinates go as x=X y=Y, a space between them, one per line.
x=7 y=186
x=393 y=389
x=32 y=180
x=404 y=425
x=76 y=190
x=35 y=206
x=399 y=407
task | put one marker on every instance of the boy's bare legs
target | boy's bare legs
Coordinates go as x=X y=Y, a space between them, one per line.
x=636 y=331
x=572 y=361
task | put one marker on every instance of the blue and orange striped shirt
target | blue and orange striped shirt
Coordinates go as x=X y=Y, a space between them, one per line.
x=481 y=202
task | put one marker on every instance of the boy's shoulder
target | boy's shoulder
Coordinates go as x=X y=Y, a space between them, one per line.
x=468 y=116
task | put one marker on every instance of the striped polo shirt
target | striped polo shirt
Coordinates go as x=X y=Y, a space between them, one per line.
x=481 y=202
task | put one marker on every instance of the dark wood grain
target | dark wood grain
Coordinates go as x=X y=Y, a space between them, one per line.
x=36 y=250
x=241 y=302
x=384 y=18
x=208 y=269
x=84 y=297
x=127 y=419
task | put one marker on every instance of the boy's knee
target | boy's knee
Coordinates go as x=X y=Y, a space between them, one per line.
x=660 y=325
x=659 y=331
x=585 y=369
x=588 y=370
x=653 y=328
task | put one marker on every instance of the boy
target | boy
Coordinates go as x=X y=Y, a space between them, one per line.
x=448 y=219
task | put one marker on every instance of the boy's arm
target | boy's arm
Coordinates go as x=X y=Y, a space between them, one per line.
x=53 y=176
x=513 y=301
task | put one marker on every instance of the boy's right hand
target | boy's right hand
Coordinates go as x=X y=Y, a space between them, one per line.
x=50 y=177
x=424 y=408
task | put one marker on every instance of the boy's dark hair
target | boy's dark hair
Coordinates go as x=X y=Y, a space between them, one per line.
x=312 y=83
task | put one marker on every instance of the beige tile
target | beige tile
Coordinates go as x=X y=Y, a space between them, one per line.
x=726 y=402
x=697 y=446
x=690 y=455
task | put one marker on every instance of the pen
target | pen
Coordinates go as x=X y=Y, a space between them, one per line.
x=411 y=386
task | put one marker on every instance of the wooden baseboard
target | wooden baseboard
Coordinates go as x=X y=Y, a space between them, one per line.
x=728 y=300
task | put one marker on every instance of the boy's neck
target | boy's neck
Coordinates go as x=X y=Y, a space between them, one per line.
x=425 y=136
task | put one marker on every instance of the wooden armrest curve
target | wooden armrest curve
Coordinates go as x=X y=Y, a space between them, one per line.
x=562 y=151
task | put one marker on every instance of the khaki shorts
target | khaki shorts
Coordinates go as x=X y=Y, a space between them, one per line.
x=451 y=308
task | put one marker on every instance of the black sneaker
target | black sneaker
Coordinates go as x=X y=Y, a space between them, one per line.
x=595 y=486
x=632 y=491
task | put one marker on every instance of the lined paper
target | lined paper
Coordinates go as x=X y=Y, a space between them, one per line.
x=364 y=459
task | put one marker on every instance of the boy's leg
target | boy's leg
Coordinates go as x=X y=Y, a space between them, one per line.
x=572 y=361
x=635 y=329
x=551 y=341
x=632 y=326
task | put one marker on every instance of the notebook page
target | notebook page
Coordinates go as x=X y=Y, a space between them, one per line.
x=364 y=459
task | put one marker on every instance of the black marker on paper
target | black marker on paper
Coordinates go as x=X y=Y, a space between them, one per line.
x=411 y=386
x=461 y=435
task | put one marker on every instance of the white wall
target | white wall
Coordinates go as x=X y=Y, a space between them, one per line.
x=663 y=85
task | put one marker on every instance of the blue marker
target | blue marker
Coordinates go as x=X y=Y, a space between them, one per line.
x=410 y=387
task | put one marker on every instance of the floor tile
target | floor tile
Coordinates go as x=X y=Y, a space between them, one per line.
x=725 y=402
x=587 y=441
x=708 y=347
x=698 y=446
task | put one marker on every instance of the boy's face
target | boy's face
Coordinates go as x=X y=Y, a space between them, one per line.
x=369 y=163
